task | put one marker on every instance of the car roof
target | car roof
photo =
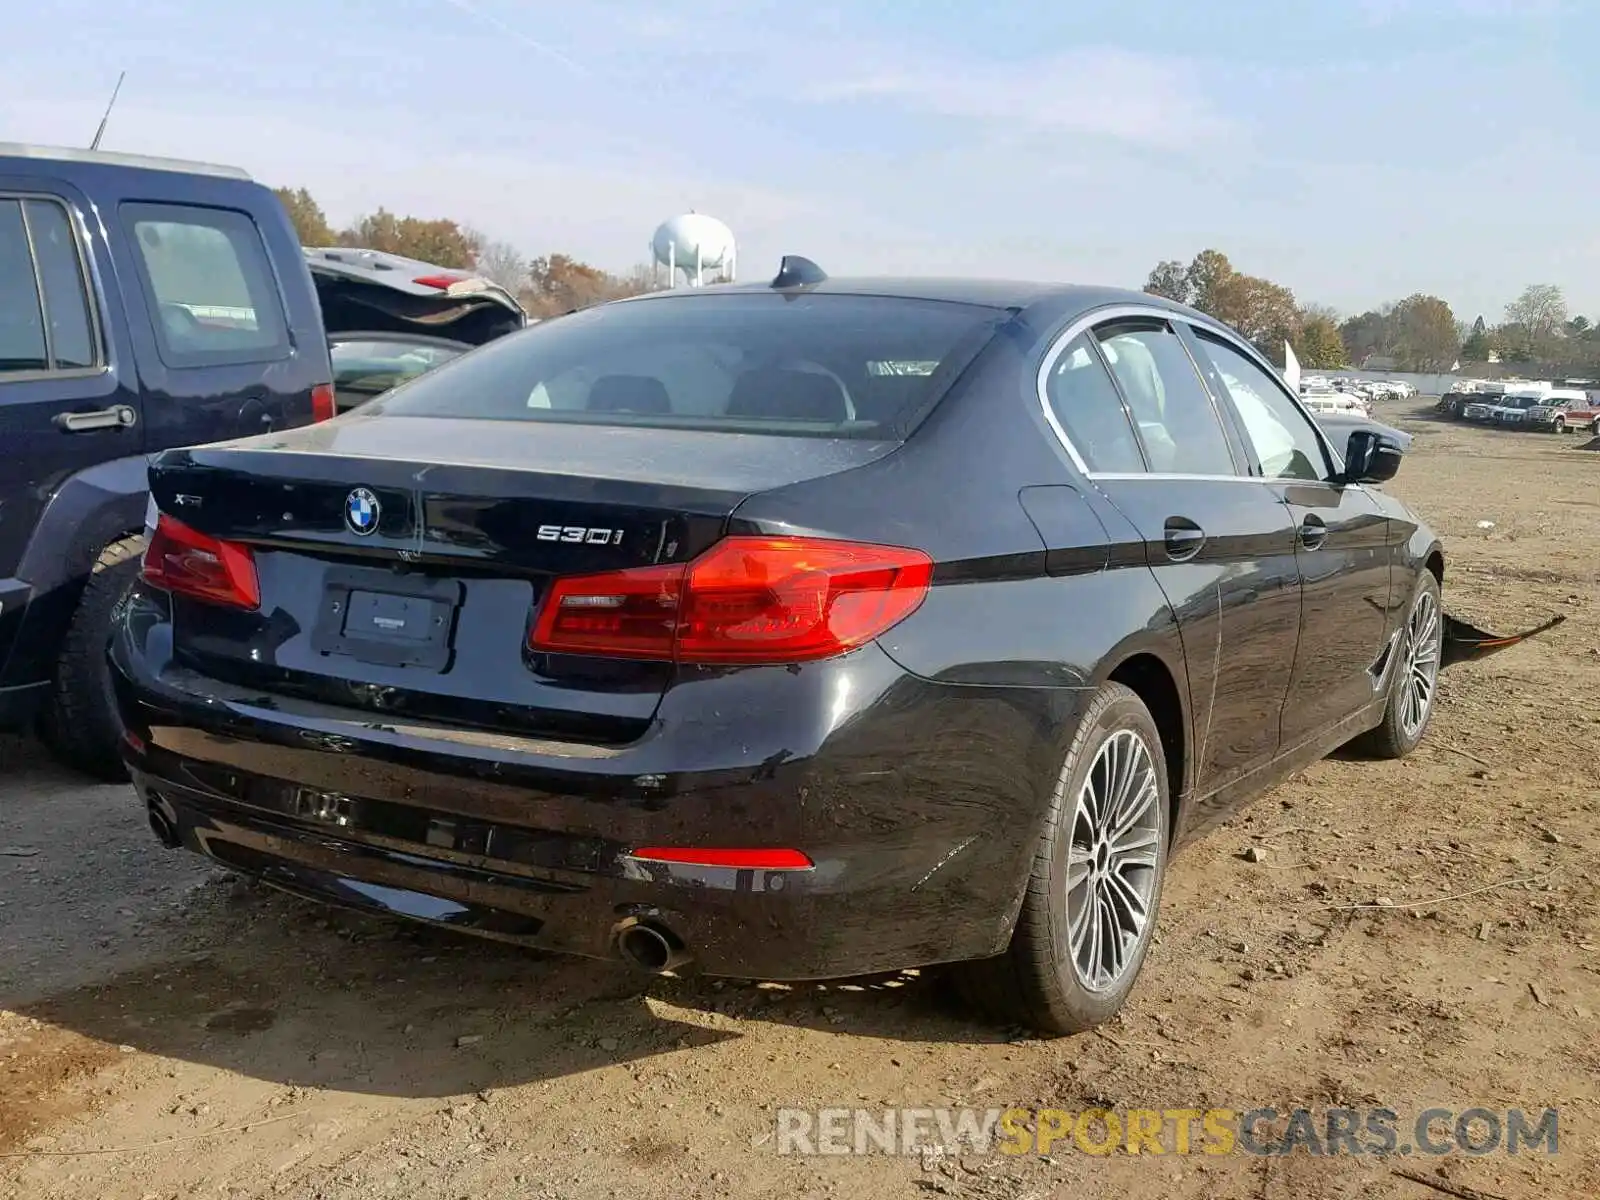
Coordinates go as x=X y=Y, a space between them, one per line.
x=110 y=158
x=1018 y=295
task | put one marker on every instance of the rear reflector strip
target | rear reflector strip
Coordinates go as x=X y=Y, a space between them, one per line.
x=743 y=860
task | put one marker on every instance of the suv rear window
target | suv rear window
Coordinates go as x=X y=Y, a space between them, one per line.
x=209 y=284
x=817 y=365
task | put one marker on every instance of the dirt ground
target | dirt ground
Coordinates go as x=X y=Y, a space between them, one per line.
x=166 y=1031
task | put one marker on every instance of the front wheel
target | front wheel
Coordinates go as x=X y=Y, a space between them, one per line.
x=1559 y=425
x=1095 y=884
x=1414 y=683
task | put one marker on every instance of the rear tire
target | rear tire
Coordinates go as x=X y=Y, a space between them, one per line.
x=80 y=723
x=1414 y=683
x=1095 y=883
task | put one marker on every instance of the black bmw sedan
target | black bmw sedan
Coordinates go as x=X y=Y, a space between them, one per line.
x=785 y=631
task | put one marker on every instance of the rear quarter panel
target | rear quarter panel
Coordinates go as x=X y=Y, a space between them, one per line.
x=1019 y=648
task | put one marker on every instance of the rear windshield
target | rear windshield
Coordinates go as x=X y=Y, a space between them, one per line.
x=817 y=365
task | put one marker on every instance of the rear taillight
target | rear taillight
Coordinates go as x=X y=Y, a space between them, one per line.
x=745 y=600
x=443 y=282
x=322 y=402
x=194 y=564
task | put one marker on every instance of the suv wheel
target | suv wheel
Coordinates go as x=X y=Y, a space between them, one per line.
x=1090 y=907
x=1414 y=684
x=80 y=722
x=1559 y=425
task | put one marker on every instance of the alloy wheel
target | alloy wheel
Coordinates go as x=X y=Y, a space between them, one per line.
x=1424 y=635
x=1111 y=863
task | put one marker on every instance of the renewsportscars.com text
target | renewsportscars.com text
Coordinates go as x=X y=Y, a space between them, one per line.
x=1167 y=1131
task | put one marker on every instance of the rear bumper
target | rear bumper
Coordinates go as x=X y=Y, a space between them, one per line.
x=919 y=804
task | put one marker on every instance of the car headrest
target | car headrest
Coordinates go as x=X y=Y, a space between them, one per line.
x=628 y=393
x=788 y=394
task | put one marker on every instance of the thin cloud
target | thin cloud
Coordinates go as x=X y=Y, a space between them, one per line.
x=1108 y=93
x=510 y=31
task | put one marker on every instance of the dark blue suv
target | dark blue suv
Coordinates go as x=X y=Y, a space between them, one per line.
x=144 y=304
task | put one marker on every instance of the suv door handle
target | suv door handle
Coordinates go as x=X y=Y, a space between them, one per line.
x=1182 y=538
x=118 y=416
x=1312 y=531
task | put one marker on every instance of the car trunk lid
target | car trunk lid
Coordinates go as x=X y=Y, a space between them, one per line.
x=409 y=587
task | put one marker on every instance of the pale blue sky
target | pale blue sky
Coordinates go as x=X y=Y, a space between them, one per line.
x=1356 y=150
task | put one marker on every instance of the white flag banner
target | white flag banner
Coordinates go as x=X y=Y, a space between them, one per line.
x=1291 y=367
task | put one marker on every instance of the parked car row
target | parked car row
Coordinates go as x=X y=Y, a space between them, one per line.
x=1534 y=406
x=149 y=303
x=1319 y=396
x=1367 y=389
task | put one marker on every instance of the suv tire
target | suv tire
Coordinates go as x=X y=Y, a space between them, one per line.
x=1040 y=981
x=80 y=723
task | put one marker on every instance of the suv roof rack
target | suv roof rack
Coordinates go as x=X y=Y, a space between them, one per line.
x=112 y=158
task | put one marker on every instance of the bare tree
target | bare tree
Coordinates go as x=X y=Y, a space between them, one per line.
x=1541 y=310
x=502 y=263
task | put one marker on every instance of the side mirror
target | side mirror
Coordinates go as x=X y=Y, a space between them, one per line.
x=1370 y=457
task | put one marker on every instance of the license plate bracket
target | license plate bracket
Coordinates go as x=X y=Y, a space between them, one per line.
x=386 y=619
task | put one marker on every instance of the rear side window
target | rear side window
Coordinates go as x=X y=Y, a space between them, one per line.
x=811 y=365
x=209 y=285
x=66 y=297
x=45 y=316
x=1088 y=409
x=22 y=344
x=1178 y=424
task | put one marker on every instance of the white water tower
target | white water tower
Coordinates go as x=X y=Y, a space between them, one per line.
x=696 y=245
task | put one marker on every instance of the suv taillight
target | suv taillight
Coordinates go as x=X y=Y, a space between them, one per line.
x=194 y=564
x=322 y=408
x=745 y=600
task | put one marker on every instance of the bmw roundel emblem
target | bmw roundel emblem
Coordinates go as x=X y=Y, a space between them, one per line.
x=361 y=512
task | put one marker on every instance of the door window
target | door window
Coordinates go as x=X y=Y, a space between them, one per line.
x=1178 y=424
x=66 y=297
x=46 y=322
x=1089 y=411
x=22 y=340
x=1281 y=436
x=209 y=285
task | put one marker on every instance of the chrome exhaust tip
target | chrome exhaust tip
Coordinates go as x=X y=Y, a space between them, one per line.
x=162 y=826
x=650 y=947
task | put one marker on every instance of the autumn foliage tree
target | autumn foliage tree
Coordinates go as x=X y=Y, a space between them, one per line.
x=310 y=222
x=437 y=241
x=1319 y=345
x=545 y=286
x=1262 y=311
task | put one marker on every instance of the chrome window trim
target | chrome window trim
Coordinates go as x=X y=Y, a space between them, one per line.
x=1113 y=312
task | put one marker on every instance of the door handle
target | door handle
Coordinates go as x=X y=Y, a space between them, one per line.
x=1312 y=531
x=118 y=416
x=1182 y=538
